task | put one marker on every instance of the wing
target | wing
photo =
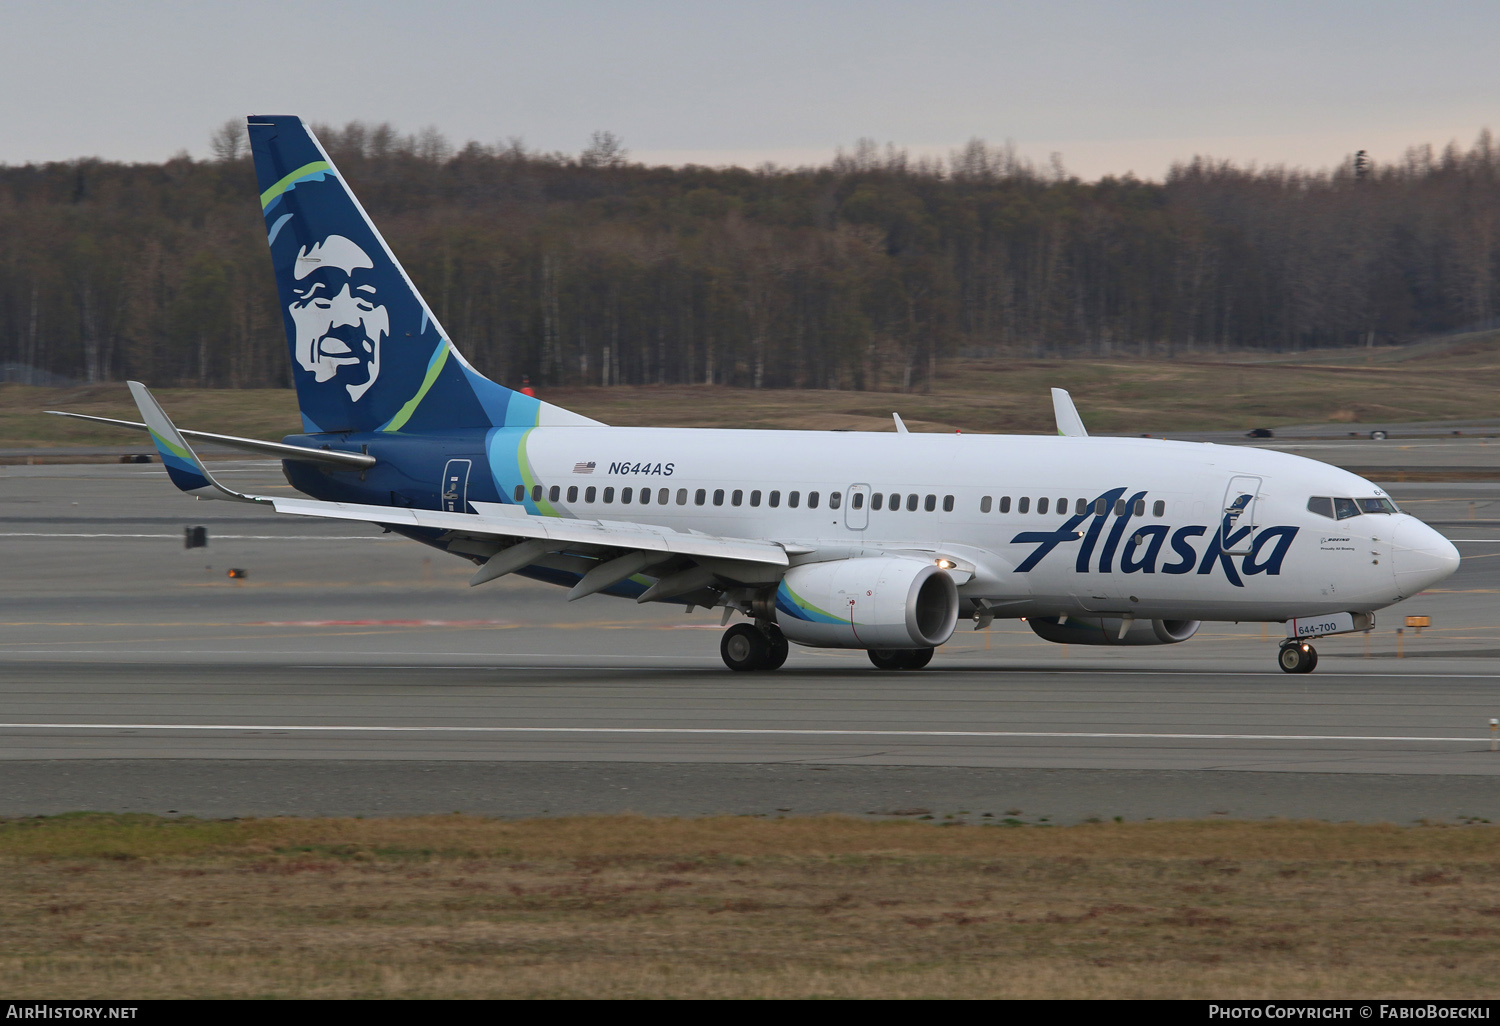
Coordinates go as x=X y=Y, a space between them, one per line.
x=1069 y=423
x=505 y=538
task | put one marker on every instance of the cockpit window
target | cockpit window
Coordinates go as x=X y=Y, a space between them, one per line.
x=1345 y=508
x=1322 y=505
x=1378 y=506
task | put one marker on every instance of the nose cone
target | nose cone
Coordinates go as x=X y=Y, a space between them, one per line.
x=1422 y=556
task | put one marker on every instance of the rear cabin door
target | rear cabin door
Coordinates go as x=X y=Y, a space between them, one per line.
x=1237 y=515
x=455 y=488
x=857 y=507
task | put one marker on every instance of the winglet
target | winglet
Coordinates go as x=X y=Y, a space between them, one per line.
x=900 y=425
x=183 y=465
x=1069 y=423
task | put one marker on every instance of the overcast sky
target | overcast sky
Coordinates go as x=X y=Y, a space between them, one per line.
x=1114 y=87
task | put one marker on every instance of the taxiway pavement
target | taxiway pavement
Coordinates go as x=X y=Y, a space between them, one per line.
x=351 y=672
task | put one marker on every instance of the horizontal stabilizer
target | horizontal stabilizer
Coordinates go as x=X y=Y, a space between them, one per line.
x=280 y=450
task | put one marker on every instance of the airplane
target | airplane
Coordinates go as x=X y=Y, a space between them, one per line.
x=856 y=540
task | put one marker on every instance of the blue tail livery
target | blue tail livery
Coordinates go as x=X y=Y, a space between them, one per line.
x=368 y=356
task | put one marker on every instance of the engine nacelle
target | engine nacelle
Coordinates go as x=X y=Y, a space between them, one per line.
x=1105 y=630
x=881 y=602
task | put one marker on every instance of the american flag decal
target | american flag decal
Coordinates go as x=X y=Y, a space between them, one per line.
x=584 y=468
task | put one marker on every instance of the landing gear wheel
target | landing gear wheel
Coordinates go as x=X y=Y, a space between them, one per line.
x=900 y=658
x=916 y=658
x=744 y=648
x=1298 y=658
x=777 y=648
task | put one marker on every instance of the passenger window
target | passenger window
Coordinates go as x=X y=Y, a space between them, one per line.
x=1041 y=504
x=1005 y=504
x=1140 y=507
x=609 y=495
x=700 y=497
x=662 y=495
x=895 y=501
x=877 y=500
x=930 y=503
x=1322 y=505
x=1062 y=507
x=1345 y=508
x=737 y=497
x=536 y=493
x=1081 y=506
x=645 y=496
x=572 y=493
x=755 y=497
x=947 y=504
x=1159 y=509
x=588 y=496
x=718 y=496
x=1119 y=507
x=911 y=502
x=1101 y=507
x=627 y=494
x=812 y=500
x=554 y=494
x=682 y=496
x=520 y=493
x=858 y=501
x=835 y=499
x=774 y=499
x=984 y=504
x=1024 y=505
x=793 y=499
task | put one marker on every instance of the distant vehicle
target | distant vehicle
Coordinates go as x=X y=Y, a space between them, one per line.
x=1378 y=435
x=858 y=540
x=1260 y=433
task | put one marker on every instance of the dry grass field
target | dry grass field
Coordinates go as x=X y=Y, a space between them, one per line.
x=453 y=906
x=1455 y=379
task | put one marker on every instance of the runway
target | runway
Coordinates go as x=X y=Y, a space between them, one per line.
x=350 y=672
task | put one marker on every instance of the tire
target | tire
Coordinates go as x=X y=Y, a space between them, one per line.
x=1299 y=658
x=777 y=648
x=900 y=658
x=744 y=648
x=916 y=658
x=1378 y=436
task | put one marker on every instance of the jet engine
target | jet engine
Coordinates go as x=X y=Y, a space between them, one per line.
x=1105 y=630
x=884 y=602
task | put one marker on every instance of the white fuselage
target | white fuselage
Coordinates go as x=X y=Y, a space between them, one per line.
x=1148 y=545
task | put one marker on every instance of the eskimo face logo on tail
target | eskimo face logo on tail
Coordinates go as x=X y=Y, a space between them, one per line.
x=339 y=318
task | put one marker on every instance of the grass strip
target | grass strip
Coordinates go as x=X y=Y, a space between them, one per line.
x=627 y=906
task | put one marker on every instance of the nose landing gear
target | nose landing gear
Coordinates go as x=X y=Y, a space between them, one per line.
x=749 y=647
x=1297 y=657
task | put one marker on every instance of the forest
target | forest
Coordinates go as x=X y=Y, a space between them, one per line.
x=864 y=273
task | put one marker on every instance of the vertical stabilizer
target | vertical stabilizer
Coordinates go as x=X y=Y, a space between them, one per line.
x=367 y=353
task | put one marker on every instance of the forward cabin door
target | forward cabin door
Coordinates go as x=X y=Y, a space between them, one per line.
x=455 y=488
x=857 y=507
x=1237 y=514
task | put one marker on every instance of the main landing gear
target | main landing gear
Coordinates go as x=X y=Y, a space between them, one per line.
x=1297 y=657
x=900 y=658
x=747 y=647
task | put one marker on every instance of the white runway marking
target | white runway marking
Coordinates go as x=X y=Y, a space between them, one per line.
x=758 y=731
